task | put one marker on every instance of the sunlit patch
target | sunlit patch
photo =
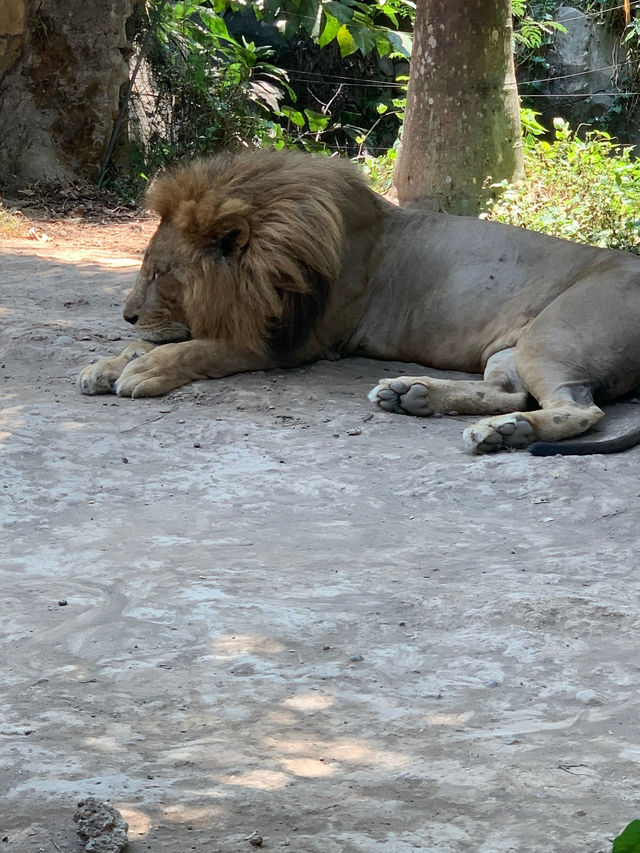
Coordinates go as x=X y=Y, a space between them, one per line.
x=351 y=751
x=9 y=417
x=106 y=743
x=447 y=719
x=311 y=768
x=139 y=822
x=232 y=646
x=308 y=702
x=188 y=814
x=5 y=312
x=283 y=718
x=263 y=780
x=72 y=426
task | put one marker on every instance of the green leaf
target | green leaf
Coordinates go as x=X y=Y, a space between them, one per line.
x=317 y=121
x=401 y=43
x=629 y=839
x=214 y=23
x=294 y=116
x=339 y=11
x=346 y=41
x=330 y=31
x=362 y=36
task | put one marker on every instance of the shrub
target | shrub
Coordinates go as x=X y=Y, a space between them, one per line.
x=582 y=189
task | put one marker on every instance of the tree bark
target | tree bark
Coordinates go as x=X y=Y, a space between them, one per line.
x=462 y=123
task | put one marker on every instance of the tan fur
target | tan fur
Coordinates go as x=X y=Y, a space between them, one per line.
x=269 y=259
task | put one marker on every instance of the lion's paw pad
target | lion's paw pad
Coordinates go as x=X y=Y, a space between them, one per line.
x=397 y=396
x=509 y=432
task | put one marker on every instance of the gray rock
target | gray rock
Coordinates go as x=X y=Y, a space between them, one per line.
x=101 y=828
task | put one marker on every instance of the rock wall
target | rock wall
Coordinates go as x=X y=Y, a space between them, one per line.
x=61 y=71
x=587 y=69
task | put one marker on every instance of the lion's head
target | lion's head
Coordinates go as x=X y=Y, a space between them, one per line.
x=246 y=250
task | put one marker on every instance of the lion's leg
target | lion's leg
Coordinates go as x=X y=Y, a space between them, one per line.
x=586 y=342
x=172 y=365
x=501 y=390
x=100 y=378
x=565 y=415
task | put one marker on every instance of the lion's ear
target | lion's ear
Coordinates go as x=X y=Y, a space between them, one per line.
x=234 y=239
x=213 y=227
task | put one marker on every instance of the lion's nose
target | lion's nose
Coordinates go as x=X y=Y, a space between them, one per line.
x=131 y=318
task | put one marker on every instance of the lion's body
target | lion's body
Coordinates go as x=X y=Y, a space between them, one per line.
x=276 y=259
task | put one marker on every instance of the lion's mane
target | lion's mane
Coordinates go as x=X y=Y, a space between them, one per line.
x=264 y=233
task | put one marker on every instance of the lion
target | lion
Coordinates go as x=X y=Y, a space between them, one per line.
x=270 y=259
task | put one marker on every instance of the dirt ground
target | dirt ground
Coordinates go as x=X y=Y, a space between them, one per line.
x=260 y=605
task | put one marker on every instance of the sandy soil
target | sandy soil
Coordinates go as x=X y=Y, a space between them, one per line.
x=260 y=605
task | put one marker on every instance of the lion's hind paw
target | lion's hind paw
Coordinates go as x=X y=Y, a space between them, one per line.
x=506 y=432
x=402 y=398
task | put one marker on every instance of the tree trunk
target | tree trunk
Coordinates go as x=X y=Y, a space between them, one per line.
x=462 y=124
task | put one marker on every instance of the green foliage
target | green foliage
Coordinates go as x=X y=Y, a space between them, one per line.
x=355 y=25
x=582 y=189
x=225 y=87
x=215 y=90
x=533 y=24
x=531 y=127
x=379 y=170
x=533 y=31
x=629 y=839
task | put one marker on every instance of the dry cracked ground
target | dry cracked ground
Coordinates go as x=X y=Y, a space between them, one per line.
x=258 y=605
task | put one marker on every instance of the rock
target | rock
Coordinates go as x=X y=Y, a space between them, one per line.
x=101 y=828
x=61 y=73
x=579 y=64
x=588 y=697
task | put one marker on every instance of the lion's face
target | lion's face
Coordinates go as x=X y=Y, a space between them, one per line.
x=156 y=304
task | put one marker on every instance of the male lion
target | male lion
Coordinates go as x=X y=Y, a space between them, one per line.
x=272 y=259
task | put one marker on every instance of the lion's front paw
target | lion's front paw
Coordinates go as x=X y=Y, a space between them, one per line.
x=402 y=396
x=506 y=432
x=150 y=375
x=99 y=378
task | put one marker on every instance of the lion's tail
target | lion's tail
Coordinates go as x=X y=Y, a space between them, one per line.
x=586 y=447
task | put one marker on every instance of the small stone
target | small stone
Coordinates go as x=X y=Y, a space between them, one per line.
x=356 y=658
x=114 y=336
x=354 y=431
x=492 y=683
x=63 y=341
x=62 y=602
x=588 y=697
